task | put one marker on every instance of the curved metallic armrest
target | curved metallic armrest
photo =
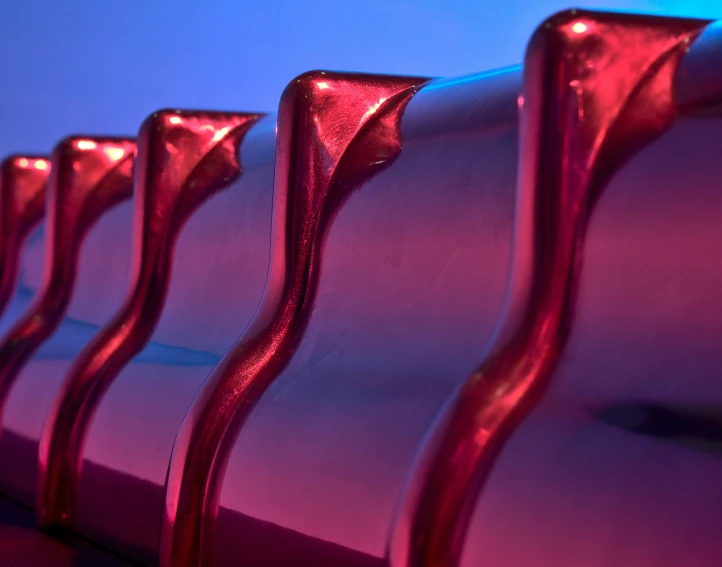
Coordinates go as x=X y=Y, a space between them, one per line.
x=334 y=131
x=183 y=158
x=89 y=177
x=22 y=206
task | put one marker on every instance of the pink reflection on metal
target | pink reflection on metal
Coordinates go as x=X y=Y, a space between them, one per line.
x=334 y=131
x=22 y=205
x=84 y=184
x=597 y=87
x=183 y=158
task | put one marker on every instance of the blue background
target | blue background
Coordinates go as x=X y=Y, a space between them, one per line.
x=98 y=66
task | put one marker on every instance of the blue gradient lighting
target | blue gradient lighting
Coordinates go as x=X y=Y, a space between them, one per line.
x=101 y=67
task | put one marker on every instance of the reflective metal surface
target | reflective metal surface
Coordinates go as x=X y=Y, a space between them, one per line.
x=416 y=258
x=583 y=114
x=618 y=463
x=89 y=177
x=488 y=333
x=109 y=436
x=334 y=131
x=182 y=159
x=22 y=205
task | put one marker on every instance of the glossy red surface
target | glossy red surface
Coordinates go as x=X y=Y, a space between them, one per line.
x=89 y=176
x=597 y=87
x=22 y=205
x=183 y=158
x=334 y=131
x=101 y=279
x=411 y=285
x=618 y=462
x=219 y=269
x=343 y=428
